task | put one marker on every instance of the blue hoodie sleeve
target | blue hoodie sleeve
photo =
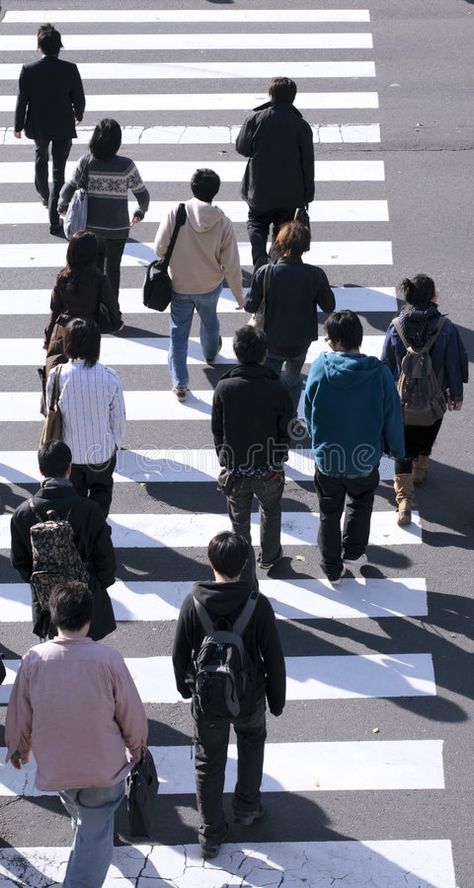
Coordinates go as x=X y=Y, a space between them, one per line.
x=393 y=429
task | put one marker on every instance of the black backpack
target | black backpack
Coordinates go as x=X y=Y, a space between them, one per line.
x=221 y=667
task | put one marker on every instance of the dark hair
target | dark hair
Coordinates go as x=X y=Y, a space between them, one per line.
x=82 y=340
x=106 y=139
x=292 y=240
x=70 y=605
x=228 y=553
x=81 y=252
x=250 y=345
x=345 y=327
x=205 y=184
x=419 y=291
x=54 y=459
x=282 y=89
x=49 y=40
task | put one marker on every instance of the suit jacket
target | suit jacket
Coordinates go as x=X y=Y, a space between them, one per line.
x=50 y=96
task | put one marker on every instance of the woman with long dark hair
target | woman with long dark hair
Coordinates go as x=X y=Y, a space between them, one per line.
x=421 y=324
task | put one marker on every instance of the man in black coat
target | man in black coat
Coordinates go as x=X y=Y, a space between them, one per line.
x=279 y=177
x=251 y=419
x=91 y=536
x=50 y=102
x=224 y=599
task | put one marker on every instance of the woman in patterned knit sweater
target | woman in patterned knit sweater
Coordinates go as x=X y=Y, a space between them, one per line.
x=109 y=178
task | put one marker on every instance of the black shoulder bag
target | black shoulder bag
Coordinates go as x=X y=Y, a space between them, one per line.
x=141 y=789
x=157 y=286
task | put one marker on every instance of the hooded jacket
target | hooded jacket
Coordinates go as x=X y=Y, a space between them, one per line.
x=353 y=413
x=279 y=145
x=205 y=251
x=261 y=641
x=251 y=413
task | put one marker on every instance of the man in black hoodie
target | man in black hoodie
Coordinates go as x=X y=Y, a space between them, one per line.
x=251 y=420
x=224 y=599
x=279 y=176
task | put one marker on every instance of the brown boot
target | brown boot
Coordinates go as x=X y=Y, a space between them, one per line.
x=420 y=465
x=403 y=485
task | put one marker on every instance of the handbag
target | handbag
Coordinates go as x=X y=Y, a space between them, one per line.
x=53 y=424
x=258 y=319
x=76 y=215
x=141 y=790
x=302 y=215
x=157 y=287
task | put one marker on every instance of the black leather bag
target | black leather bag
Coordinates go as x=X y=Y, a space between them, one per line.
x=142 y=789
x=157 y=286
x=302 y=215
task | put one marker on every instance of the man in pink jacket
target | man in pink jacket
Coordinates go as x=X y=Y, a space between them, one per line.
x=75 y=706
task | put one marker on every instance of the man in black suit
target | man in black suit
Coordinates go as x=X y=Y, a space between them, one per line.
x=50 y=102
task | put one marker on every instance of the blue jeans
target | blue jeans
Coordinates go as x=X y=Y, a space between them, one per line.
x=182 y=311
x=92 y=813
x=291 y=375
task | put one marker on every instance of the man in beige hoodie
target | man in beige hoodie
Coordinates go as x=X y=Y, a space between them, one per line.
x=205 y=253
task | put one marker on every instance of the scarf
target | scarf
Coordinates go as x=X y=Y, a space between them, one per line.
x=418 y=324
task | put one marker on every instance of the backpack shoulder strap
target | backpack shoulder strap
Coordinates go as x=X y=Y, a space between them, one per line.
x=31 y=505
x=431 y=341
x=244 y=617
x=203 y=617
x=398 y=327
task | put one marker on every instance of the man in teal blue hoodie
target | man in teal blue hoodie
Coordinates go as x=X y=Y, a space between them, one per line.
x=353 y=414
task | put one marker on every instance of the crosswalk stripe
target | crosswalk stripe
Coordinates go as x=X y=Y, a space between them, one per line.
x=169 y=16
x=209 y=102
x=291 y=767
x=79 y=43
x=179 y=530
x=355 y=598
x=36 y=302
x=208 y=70
x=23 y=213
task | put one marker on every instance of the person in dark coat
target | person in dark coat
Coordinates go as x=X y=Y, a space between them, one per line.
x=290 y=311
x=419 y=320
x=91 y=536
x=224 y=599
x=279 y=177
x=50 y=102
x=250 y=421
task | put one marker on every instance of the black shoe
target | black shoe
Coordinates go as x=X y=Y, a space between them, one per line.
x=269 y=565
x=57 y=230
x=210 y=847
x=298 y=430
x=44 y=202
x=262 y=260
x=210 y=361
x=336 y=580
x=250 y=817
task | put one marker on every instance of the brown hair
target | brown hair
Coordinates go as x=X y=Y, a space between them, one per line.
x=292 y=241
x=282 y=89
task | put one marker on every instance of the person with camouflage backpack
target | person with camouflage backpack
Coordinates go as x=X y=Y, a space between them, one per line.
x=425 y=352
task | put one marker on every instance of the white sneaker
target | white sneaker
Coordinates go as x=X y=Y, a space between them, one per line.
x=341 y=575
x=362 y=559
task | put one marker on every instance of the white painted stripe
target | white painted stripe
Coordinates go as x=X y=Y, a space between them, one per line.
x=208 y=70
x=198 y=41
x=12 y=172
x=200 y=101
x=136 y=253
x=291 y=767
x=179 y=530
x=151 y=350
x=291 y=599
x=385 y=864
x=23 y=213
x=36 y=302
x=221 y=16
x=192 y=135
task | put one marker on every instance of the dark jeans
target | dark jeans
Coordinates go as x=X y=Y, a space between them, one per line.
x=109 y=257
x=332 y=492
x=258 y=227
x=95 y=481
x=60 y=149
x=419 y=441
x=211 y=740
x=239 y=505
x=291 y=375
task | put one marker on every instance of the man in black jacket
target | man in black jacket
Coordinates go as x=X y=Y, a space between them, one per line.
x=224 y=599
x=50 y=102
x=251 y=418
x=91 y=536
x=279 y=176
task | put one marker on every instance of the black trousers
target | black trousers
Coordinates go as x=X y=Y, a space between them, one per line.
x=419 y=441
x=60 y=149
x=258 y=227
x=211 y=740
x=332 y=493
x=95 y=481
x=109 y=257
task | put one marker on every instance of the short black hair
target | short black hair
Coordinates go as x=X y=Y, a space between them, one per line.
x=82 y=340
x=106 y=139
x=70 y=605
x=205 y=184
x=82 y=250
x=250 y=345
x=418 y=291
x=228 y=553
x=282 y=89
x=54 y=459
x=49 y=40
x=345 y=327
